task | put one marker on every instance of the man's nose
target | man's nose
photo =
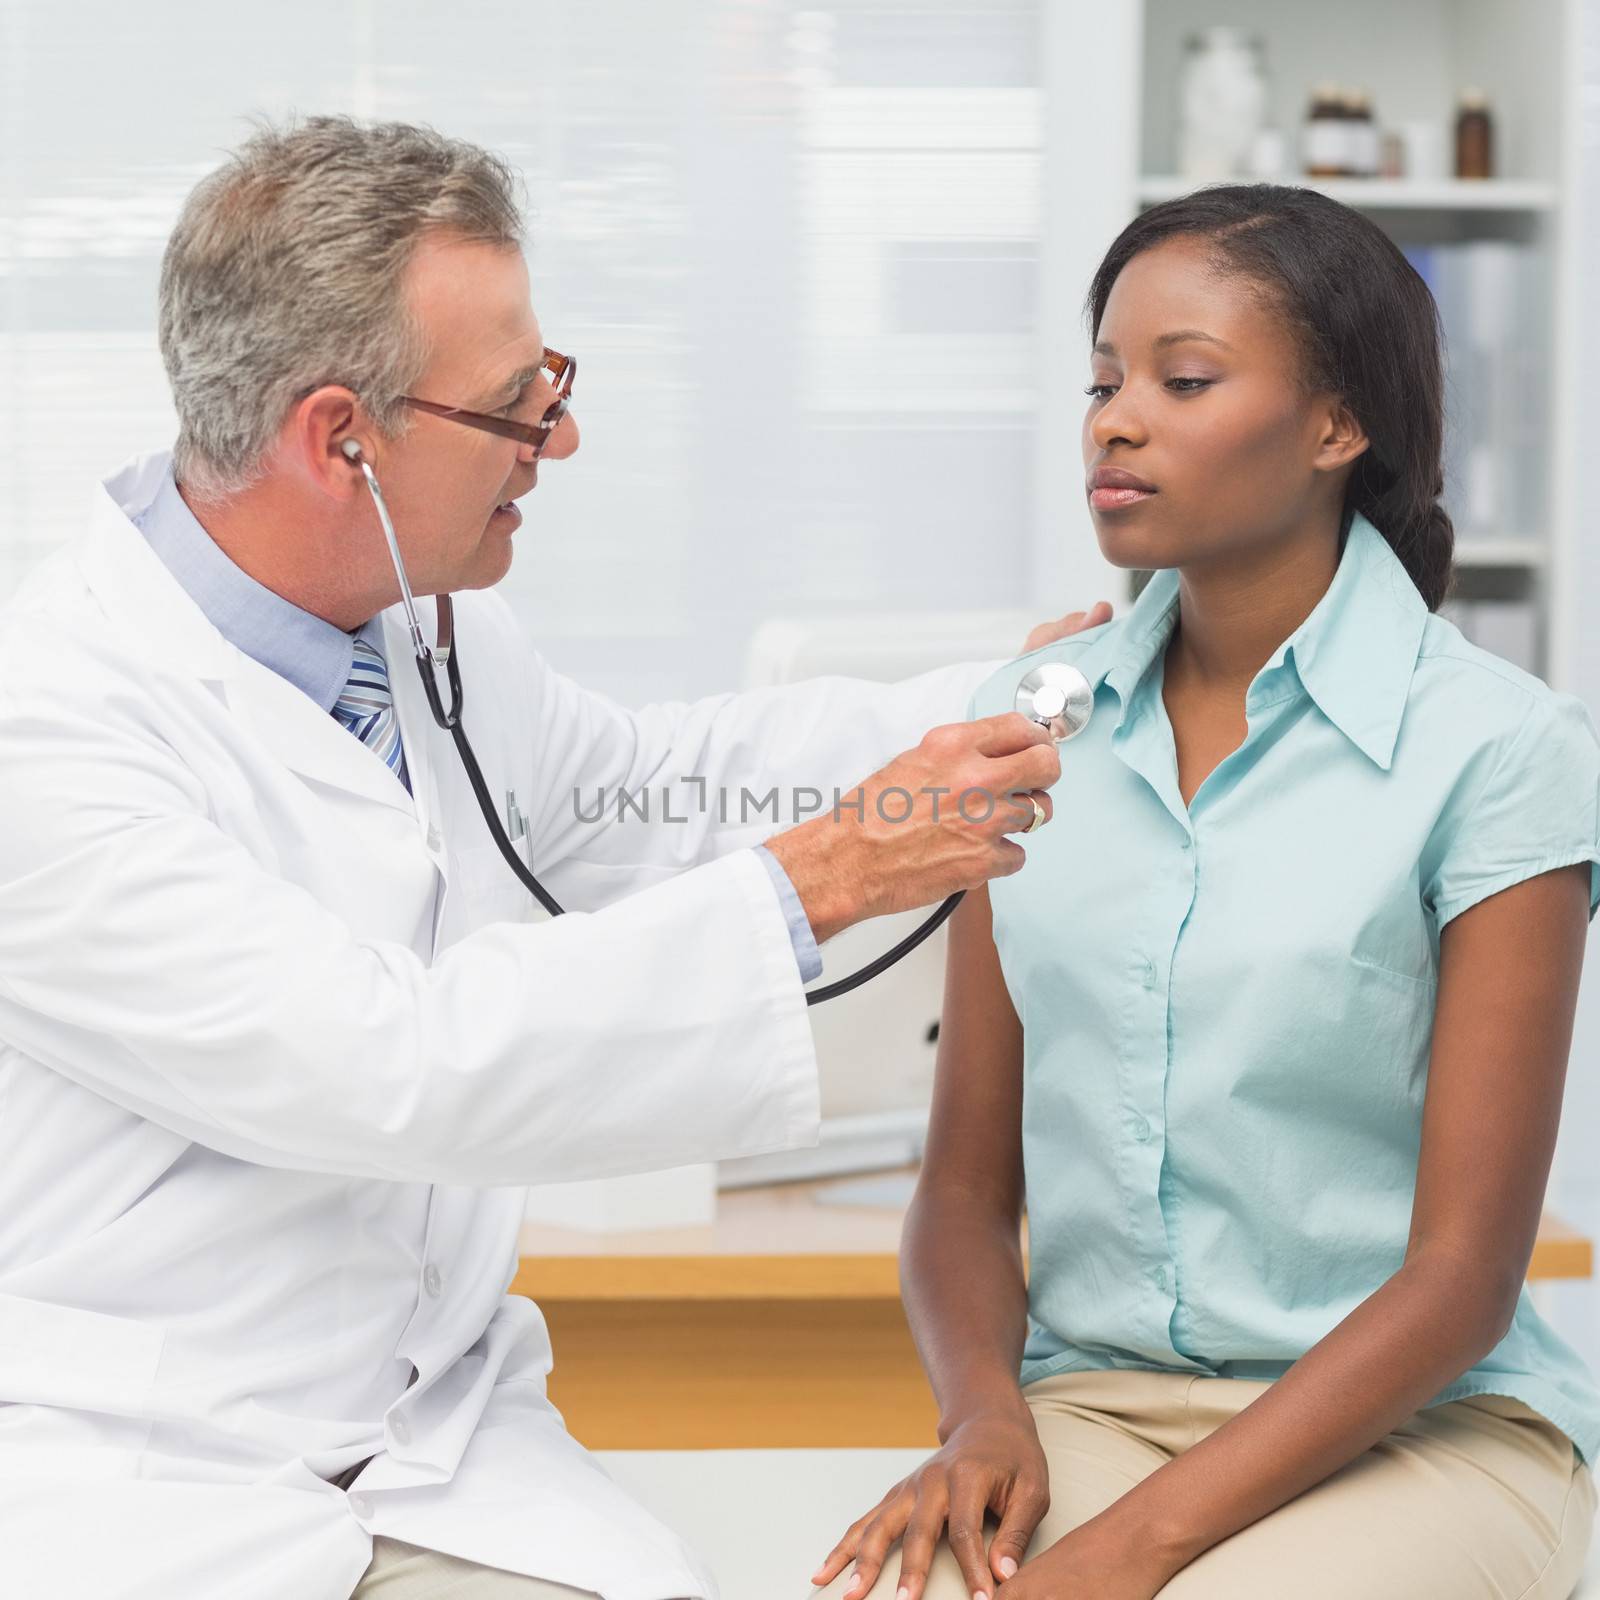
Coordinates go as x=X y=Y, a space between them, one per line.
x=563 y=441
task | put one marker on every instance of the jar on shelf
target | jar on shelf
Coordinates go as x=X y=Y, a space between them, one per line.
x=1474 y=136
x=1325 y=136
x=1222 y=102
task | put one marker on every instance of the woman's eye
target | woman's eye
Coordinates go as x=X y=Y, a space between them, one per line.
x=1188 y=385
x=1098 y=391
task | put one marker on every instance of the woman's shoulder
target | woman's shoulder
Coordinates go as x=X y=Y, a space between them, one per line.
x=1483 y=700
x=1518 y=764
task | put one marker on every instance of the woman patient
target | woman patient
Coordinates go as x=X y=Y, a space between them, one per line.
x=1270 y=1032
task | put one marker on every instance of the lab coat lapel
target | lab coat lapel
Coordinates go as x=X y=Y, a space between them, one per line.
x=306 y=738
x=140 y=597
x=137 y=593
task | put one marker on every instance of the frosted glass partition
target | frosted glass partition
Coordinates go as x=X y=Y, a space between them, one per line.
x=795 y=249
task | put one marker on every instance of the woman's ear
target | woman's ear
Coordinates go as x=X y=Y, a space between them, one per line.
x=1341 y=440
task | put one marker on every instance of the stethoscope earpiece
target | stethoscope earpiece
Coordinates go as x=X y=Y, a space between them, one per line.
x=351 y=449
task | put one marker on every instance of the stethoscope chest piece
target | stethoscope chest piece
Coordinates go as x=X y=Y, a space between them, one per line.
x=1057 y=697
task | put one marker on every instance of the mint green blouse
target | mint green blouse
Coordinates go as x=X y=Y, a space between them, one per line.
x=1227 y=1007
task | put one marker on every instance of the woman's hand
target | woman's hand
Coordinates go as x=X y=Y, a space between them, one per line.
x=1102 y=1560
x=992 y=1462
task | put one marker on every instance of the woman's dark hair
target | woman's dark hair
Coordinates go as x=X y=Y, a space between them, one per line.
x=1369 y=330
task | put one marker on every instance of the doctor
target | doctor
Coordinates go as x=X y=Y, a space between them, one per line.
x=278 y=1035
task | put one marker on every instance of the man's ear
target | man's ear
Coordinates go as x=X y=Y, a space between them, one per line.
x=1342 y=438
x=315 y=433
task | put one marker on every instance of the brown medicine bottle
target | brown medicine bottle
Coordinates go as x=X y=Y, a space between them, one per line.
x=1474 y=136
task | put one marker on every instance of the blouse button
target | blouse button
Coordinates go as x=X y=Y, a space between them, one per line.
x=1141 y=1129
x=1160 y=1276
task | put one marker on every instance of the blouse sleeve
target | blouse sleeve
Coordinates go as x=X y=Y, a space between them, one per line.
x=1538 y=810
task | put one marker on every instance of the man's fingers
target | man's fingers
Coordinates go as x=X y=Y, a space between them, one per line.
x=1065 y=627
x=1021 y=813
x=1035 y=768
x=1007 y=733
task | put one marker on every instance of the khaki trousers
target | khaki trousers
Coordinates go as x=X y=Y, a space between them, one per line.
x=408 y=1572
x=1479 y=1499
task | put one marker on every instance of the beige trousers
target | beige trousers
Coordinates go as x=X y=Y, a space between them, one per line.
x=1479 y=1499
x=408 y=1572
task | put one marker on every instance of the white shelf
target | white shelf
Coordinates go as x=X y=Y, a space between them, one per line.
x=1392 y=194
x=1499 y=553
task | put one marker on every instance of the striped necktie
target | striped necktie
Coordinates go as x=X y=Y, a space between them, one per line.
x=366 y=708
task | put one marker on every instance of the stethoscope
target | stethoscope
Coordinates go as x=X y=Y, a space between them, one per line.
x=1056 y=696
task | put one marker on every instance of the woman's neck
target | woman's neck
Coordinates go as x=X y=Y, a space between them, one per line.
x=1232 y=616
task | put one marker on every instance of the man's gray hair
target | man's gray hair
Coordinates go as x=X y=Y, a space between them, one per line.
x=285 y=271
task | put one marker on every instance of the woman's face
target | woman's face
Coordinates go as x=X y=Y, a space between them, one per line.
x=1196 y=394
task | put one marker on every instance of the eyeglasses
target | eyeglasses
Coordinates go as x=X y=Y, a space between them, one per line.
x=536 y=435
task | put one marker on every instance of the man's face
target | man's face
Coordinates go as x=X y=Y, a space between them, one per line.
x=450 y=487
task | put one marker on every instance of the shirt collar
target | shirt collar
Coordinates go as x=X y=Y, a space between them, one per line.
x=312 y=654
x=1354 y=655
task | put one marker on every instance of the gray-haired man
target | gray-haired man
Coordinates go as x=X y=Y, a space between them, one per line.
x=278 y=1037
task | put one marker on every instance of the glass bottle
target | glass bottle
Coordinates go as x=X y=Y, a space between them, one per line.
x=1474 y=136
x=1325 y=140
x=1222 y=99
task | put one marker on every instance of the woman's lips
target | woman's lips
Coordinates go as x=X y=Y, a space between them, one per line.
x=1118 y=499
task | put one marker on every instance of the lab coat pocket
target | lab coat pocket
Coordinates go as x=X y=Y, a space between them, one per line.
x=66 y=1356
x=482 y=888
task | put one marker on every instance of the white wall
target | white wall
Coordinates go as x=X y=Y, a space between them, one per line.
x=795 y=252
x=1576 y=1185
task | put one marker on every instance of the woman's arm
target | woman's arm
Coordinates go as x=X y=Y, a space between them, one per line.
x=965 y=1293
x=1508 y=986
x=961 y=1273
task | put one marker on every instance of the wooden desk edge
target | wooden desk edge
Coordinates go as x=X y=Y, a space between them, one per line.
x=708 y=1277
x=1559 y=1253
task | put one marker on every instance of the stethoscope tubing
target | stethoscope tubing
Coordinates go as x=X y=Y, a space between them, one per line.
x=430 y=659
x=451 y=722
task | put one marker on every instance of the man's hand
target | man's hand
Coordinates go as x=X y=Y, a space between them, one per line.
x=1073 y=622
x=931 y=822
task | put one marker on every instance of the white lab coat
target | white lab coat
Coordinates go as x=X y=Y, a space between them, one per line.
x=278 y=1043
